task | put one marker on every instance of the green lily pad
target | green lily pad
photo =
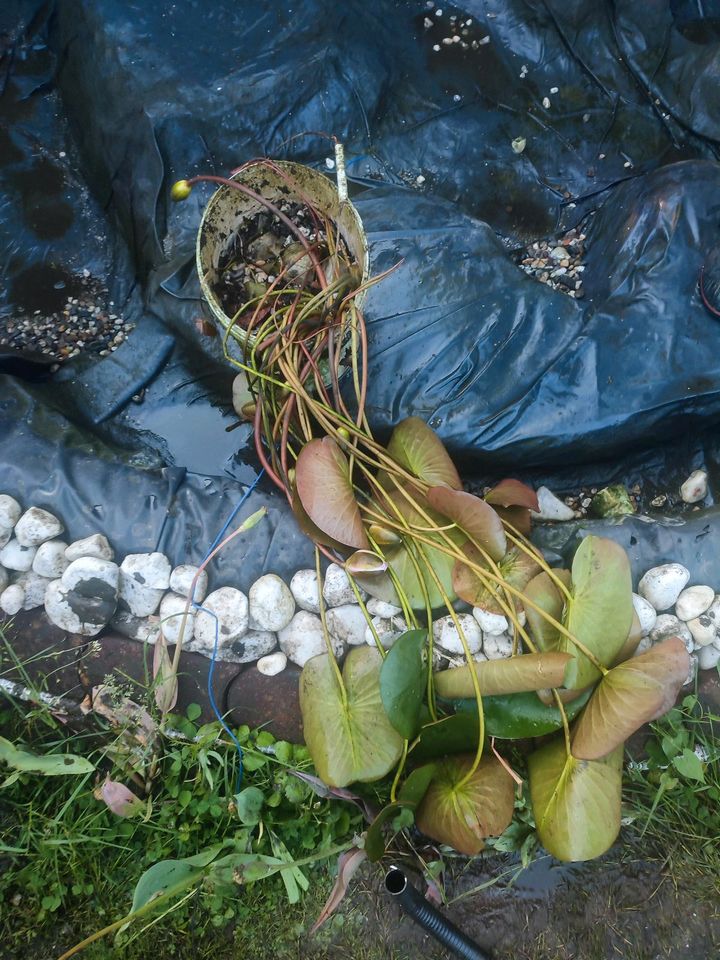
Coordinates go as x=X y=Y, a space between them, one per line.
x=350 y=737
x=402 y=682
x=517 y=716
x=416 y=446
x=457 y=733
x=576 y=803
x=600 y=610
x=543 y=592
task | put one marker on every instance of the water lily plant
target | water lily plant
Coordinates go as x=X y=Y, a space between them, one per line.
x=396 y=516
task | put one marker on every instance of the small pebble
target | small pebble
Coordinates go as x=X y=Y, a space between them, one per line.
x=490 y=622
x=181 y=580
x=708 y=657
x=14 y=556
x=12 y=599
x=669 y=626
x=447 y=636
x=662 y=585
x=50 y=560
x=497 y=646
x=36 y=526
x=646 y=613
x=551 y=507
x=693 y=601
x=303 y=638
x=379 y=608
x=272 y=664
x=304 y=588
x=347 y=624
x=96 y=545
x=272 y=605
x=695 y=487
x=337 y=589
x=703 y=630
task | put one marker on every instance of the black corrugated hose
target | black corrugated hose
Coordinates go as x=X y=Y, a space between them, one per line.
x=430 y=919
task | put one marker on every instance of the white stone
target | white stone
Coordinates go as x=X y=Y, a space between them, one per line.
x=692 y=672
x=669 y=626
x=181 y=581
x=303 y=638
x=14 y=556
x=304 y=587
x=34 y=586
x=703 y=629
x=708 y=657
x=88 y=575
x=4 y=578
x=497 y=646
x=347 y=623
x=172 y=615
x=138 y=628
x=5 y=537
x=693 y=601
x=551 y=507
x=380 y=608
x=81 y=615
x=272 y=605
x=643 y=647
x=646 y=613
x=50 y=560
x=230 y=607
x=36 y=526
x=10 y=512
x=387 y=629
x=12 y=599
x=446 y=634
x=251 y=646
x=272 y=664
x=661 y=585
x=96 y=545
x=490 y=622
x=695 y=487
x=337 y=589
x=149 y=569
x=144 y=578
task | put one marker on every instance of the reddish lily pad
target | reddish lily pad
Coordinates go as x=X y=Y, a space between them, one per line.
x=474 y=517
x=325 y=490
x=631 y=694
x=463 y=816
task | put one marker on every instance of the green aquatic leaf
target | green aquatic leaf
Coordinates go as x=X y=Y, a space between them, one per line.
x=576 y=803
x=416 y=446
x=348 y=734
x=402 y=682
x=600 y=611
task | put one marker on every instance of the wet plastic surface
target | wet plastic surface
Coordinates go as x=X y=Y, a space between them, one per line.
x=104 y=104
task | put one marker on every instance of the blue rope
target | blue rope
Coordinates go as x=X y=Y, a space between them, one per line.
x=211 y=672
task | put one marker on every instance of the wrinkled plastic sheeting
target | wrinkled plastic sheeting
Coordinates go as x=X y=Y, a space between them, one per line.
x=94 y=488
x=512 y=373
x=173 y=90
x=693 y=541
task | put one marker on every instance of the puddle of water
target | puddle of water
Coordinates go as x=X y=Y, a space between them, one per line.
x=195 y=437
x=44 y=287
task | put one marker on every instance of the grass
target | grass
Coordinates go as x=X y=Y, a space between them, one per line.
x=672 y=794
x=68 y=866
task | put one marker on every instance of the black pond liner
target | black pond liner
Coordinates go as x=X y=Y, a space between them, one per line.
x=515 y=377
x=430 y=919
